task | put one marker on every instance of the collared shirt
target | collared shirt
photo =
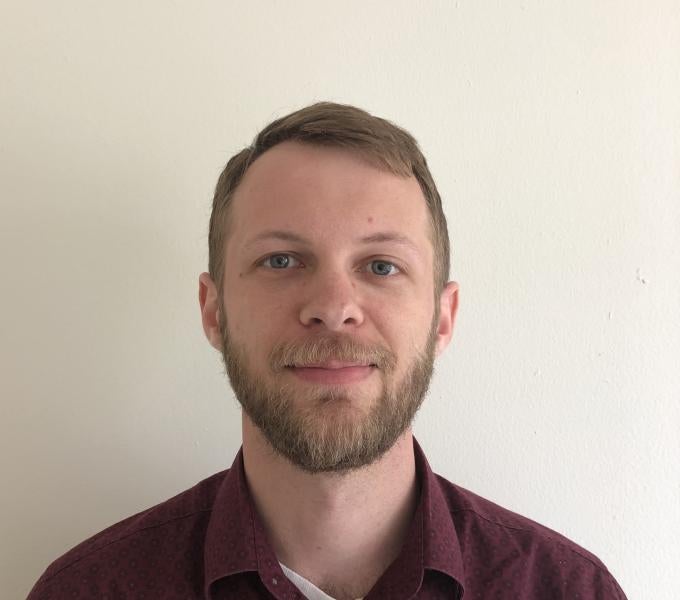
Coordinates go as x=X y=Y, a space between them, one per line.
x=209 y=542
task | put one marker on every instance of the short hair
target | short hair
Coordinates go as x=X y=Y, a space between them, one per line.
x=380 y=142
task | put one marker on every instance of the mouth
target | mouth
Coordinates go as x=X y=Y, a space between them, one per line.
x=333 y=372
x=332 y=365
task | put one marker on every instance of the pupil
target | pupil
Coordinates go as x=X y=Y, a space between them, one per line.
x=381 y=268
x=280 y=260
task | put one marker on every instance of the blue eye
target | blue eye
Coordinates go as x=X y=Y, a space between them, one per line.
x=279 y=261
x=383 y=268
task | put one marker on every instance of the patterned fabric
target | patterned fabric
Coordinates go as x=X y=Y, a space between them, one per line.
x=208 y=542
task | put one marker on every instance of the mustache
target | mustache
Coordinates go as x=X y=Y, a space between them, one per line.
x=330 y=347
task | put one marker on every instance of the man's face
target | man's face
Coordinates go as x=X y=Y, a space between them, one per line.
x=328 y=326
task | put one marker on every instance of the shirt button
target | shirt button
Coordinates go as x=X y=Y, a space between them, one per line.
x=274 y=581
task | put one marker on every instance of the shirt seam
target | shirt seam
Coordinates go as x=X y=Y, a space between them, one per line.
x=252 y=533
x=549 y=537
x=119 y=539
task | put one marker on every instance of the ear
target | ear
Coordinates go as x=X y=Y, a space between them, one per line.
x=210 y=310
x=448 y=306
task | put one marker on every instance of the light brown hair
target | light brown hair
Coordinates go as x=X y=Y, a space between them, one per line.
x=379 y=141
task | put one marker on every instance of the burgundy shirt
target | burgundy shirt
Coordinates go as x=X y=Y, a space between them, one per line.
x=209 y=542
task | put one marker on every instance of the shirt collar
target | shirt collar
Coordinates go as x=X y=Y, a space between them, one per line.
x=441 y=550
x=235 y=540
x=229 y=540
x=432 y=541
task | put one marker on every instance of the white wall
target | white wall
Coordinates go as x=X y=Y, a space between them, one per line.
x=552 y=129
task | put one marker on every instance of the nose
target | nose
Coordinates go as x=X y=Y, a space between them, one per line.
x=331 y=299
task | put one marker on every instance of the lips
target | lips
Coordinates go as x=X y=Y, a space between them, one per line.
x=333 y=372
x=332 y=364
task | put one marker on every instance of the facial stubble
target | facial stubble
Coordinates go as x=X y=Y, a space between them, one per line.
x=327 y=428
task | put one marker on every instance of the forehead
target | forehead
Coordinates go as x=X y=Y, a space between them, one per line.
x=328 y=194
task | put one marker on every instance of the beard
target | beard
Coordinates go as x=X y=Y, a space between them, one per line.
x=329 y=428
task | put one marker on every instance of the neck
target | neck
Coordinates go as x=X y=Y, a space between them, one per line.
x=325 y=526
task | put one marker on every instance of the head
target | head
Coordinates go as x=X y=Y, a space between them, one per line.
x=378 y=141
x=327 y=289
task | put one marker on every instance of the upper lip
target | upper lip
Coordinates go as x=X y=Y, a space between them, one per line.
x=333 y=364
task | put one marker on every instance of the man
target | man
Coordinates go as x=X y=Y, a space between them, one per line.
x=328 y=297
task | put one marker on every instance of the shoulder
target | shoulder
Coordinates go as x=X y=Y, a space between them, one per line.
x=551 y=564
x=134 y=550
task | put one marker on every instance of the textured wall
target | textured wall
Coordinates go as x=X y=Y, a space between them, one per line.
x=553 y=131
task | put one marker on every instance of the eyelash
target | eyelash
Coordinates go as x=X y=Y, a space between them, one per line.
x=261 y=263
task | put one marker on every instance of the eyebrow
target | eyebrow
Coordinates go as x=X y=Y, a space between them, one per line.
x=374 y=238
x=389 y=236
x=276 y=234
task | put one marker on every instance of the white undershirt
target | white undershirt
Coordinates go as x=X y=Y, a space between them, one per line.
x=308 y=589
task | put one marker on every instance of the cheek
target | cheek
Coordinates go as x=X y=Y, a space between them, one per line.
x=407 y=328
x=406 y=308
x=253 y=319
